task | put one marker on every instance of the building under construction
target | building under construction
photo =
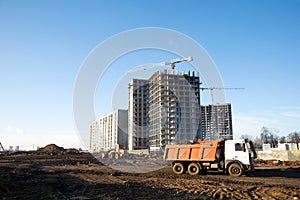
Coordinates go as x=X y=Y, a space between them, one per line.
x=174 y=107
x=216 y=121
x=163 y=110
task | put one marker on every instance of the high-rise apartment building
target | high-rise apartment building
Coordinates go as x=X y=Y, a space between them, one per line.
x=174 y=108
x=216 y=122
x=164 y=109
x=109 y=131
x=138 y=117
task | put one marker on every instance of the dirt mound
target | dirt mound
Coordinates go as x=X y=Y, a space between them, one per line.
x=53 y=149
x=71 y=151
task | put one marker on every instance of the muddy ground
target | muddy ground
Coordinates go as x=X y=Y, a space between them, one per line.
x=80 y=176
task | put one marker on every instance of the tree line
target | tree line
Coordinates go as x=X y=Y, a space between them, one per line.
x=269 y=136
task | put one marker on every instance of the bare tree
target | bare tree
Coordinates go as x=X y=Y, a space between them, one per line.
x=257 y=143
x=267 y=137
x=294 y=137
x=282 y=139
x=275 y=140
x=264 y=132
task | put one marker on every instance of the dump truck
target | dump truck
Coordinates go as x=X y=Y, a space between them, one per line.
x=232 y=157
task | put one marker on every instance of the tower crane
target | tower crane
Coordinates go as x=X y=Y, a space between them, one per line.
x=171 y=62
x=218 y=88
x=178 y=60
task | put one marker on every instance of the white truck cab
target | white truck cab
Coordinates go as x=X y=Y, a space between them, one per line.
x=239 y=156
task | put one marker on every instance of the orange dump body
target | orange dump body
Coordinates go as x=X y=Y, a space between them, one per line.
x=200 y=151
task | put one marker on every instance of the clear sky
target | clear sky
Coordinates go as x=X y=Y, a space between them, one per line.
x=255 y=45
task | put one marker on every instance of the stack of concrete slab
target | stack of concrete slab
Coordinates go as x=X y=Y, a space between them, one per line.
x=282 y=155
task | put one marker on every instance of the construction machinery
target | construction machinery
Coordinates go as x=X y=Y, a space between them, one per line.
x=1 y=147
x=171 y=63
x=119 y=152
x=218 y=88
x=178 y=60
x=229 y=156
x=3 y=151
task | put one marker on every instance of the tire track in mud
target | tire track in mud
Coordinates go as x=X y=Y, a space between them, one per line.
x=67 y=178
x=228 y=189
x=238 y=192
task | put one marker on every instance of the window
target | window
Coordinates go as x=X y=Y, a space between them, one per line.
x=239 y=147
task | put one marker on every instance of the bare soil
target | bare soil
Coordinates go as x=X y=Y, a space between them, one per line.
x=81 y=176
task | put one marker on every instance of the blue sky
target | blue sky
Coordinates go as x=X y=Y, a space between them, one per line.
x=255 y=45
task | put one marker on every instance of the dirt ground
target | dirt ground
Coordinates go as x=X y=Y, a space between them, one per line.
x=81 y=176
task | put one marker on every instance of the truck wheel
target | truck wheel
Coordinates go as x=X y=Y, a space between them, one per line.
x=178 y=168
x=235 y=170
x=102 y=155
x=193 y=169
x=111 y=155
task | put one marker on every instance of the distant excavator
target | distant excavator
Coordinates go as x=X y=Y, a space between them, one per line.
x=3 y=151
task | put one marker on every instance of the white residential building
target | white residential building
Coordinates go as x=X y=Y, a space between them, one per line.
x=109 y=131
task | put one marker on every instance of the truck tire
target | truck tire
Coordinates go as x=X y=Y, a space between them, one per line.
x=235 y=170
x=178 y=168
x=102 y=155
x=111 y=155
x=194 y=169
